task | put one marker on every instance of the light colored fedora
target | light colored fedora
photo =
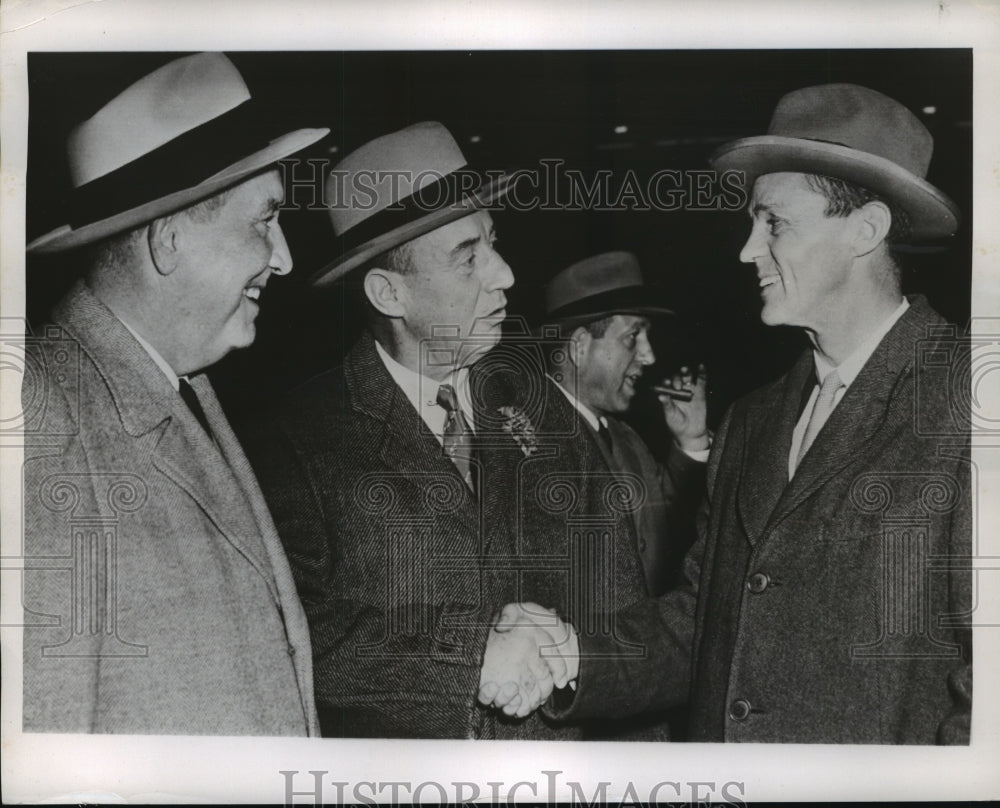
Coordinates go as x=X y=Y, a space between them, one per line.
x=175 y=137
x=596 y=287
x=854 y=134
x=397 y=187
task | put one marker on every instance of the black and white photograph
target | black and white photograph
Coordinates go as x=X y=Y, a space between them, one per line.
x=375 y=408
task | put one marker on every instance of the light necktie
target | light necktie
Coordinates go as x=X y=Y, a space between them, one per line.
x=821 y=412
x=457 y=438
x=191 y=399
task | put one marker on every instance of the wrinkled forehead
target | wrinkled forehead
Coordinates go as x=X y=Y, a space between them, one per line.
x=451 y=238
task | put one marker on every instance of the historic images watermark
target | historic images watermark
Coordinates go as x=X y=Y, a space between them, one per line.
x=552 y=185
x=318 y=788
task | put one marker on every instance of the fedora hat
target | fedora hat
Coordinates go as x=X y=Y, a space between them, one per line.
x=397 y=187
x=605 y=284
x=175 y=137
x=854 y=134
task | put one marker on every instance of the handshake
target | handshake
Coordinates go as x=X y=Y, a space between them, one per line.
x=528 y=652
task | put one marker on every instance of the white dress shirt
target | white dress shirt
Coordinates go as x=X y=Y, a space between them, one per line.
x=848 y=371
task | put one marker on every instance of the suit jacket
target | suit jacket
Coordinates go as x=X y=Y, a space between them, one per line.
x=665 y=522
x=833 y=607
x=157 y=596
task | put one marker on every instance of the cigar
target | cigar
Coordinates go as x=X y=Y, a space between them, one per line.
x=678 y=395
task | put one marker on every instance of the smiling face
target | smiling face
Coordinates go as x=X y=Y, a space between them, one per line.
x=609 y=367
x=803 y=257
x=452 y=298
x=227 y=256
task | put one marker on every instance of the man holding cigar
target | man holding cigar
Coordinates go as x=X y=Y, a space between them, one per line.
x=600 y=306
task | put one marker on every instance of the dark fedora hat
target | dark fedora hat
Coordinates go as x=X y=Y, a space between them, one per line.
x=855 y=134
x=397 y=187
x=179 y=135
x=596 y=287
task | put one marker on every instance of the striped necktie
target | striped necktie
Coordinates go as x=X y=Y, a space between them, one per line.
x=457 y=438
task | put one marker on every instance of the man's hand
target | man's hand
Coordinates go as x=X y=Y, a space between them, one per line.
x=528 y=651
x=687 y=420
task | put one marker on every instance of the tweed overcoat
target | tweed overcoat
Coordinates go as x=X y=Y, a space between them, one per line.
x=158 y=597
x=832 y=608
x=401 y=568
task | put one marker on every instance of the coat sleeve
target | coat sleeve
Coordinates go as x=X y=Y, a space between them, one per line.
x=955 y=726
x=388 y=661
x=613 y=684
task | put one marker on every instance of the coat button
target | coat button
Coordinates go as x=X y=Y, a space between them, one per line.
x=291 y=650
x=642 y=545
x=739 y=710
x=758 y=582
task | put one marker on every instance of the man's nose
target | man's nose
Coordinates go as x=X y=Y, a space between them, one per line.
x=755 y=245
x=644 y=355
x=502 y=277
x=281 y=256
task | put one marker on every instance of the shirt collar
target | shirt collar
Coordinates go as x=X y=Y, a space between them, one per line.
x=593 y=419
x=154 y=354
x=421 y=391
x=849 y=369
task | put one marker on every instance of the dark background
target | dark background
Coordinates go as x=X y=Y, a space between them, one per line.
x=524 y=107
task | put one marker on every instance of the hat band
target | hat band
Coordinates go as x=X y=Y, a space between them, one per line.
x=601 y=304
x=450 y=190
x=184 y=162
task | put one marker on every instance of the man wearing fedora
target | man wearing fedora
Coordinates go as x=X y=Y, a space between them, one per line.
x=158 y=598
x=603 y=310
x=827 y=598
x=377 y=471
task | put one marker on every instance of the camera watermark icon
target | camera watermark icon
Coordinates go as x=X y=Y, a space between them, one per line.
x=957 y=375
x=45 y=366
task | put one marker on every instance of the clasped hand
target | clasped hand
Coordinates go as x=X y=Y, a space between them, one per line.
x=528 y=652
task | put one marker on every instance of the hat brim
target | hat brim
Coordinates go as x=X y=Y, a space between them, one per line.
x=932 y=214
x=66 y=237
x=624 y=300
x=468 y=204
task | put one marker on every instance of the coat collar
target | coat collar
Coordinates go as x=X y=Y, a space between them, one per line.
x=142 y=394
x=766 y=495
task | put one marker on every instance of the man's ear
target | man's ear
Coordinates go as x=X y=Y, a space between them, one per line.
x=874 y=222
x=579 y=345
x=385 y=292
x=164 y=240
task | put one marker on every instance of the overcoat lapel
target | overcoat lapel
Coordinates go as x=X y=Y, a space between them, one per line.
x=766 y=497
x=405 y=445
x=768 y=440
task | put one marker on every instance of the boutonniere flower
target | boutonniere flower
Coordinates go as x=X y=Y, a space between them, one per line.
x=519 y=427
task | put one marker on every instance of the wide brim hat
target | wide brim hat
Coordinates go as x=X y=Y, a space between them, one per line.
x=179 y=135
x=398 y=187
x=597 y=287
x=855 y=134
